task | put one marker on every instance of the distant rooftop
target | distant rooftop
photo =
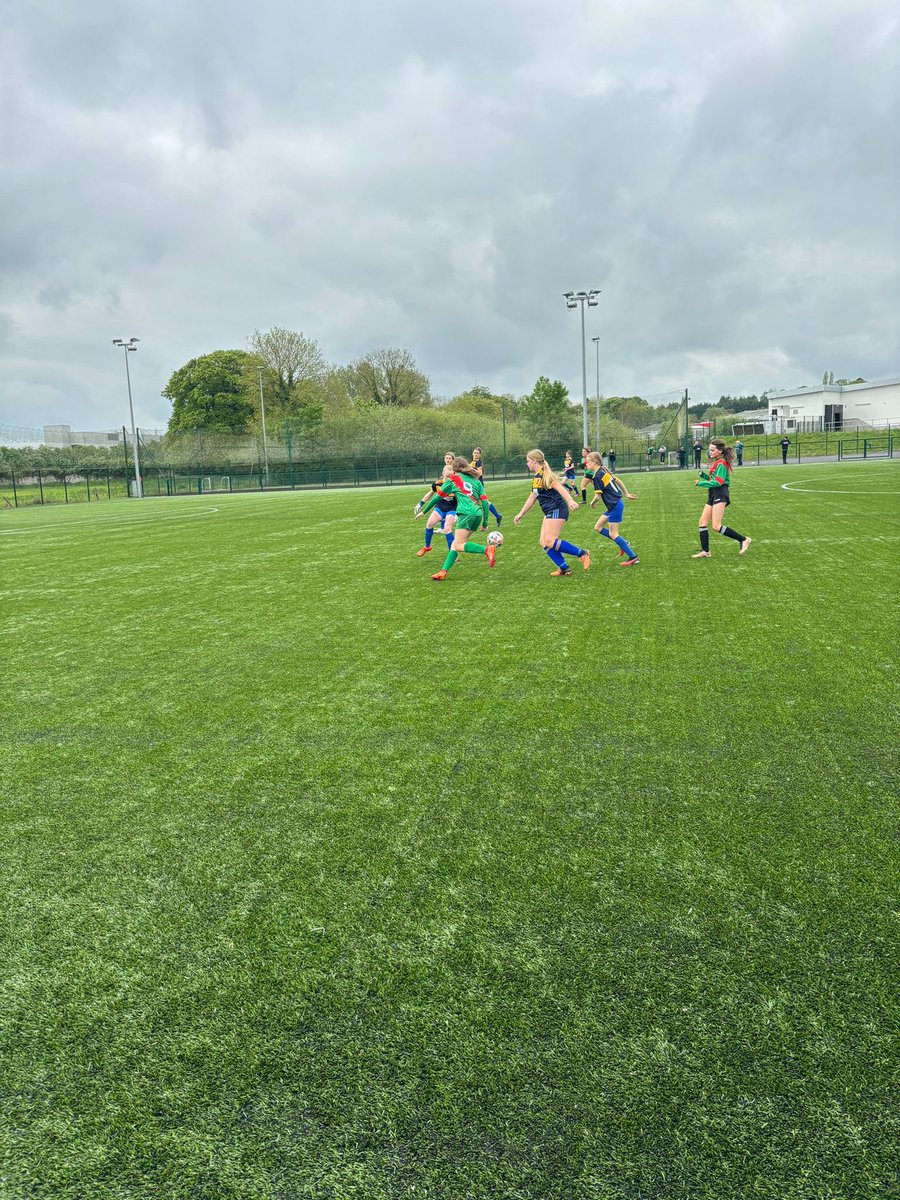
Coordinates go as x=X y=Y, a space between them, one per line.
x=64 y=435
x=836 y=387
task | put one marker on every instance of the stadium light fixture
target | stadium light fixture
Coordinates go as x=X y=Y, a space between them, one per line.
x=130 y=346
x=574 y=300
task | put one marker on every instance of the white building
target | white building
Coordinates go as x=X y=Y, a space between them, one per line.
x=832 y=406
x=65 y=435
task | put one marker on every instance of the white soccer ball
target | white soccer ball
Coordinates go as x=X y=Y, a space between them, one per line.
x=495 y=538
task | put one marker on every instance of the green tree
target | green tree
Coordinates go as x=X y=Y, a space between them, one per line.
x=388 y=377
x=548 y=413
x=633 y=411
x=478 y=400
x=295 y=370
x=735 y=404
x=210 y=393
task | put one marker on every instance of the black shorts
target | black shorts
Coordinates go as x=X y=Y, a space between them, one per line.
x=718 y=495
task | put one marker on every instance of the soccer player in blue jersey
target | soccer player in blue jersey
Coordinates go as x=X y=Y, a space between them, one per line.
x=443 y=515
x=556 y=504
x=478 y=467
x=568 y=474
x=612 y=491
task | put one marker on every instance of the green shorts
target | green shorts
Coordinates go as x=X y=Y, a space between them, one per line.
x=470 y=521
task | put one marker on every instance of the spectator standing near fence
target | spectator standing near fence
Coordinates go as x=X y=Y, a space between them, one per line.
x=662 y=455
x=611 y=459
x=697 y=448
x=739 y=451
x=682 y=456
x=785 y=446
x=651 y=450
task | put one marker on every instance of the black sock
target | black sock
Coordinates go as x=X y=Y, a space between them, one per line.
x=583 y=495
x=738 y=537
x=704 y=538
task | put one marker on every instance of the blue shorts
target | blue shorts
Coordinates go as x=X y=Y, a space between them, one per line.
x=614 y=514
x=556 y=514
x=443 y=513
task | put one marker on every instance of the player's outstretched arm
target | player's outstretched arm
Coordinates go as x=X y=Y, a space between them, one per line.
x=529 y=503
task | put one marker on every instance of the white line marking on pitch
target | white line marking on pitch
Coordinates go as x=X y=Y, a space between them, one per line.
x=792 y=487
x=113 y=524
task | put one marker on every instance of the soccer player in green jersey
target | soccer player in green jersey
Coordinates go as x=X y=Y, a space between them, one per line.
x=439 y=517
x=472 y=513
x=716 y=481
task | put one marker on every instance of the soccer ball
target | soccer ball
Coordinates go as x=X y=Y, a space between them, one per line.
x=495 y=538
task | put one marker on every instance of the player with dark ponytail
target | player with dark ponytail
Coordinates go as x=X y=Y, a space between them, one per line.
x=717 y=481
x=462 y=485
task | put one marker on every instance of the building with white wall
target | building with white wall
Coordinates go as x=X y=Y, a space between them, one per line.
x=835 y=406
x=65 y=435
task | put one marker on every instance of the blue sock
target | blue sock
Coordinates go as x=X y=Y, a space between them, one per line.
x=493 y=512
x=623 y=545
x=568 y=548
x=556 y=557
x=429 y=534
x=604 y=532
x=449 y=537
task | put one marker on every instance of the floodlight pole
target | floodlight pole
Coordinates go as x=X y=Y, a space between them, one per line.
x=596 y=342
x=573 y=299
x=128 y=347
x=262 y=409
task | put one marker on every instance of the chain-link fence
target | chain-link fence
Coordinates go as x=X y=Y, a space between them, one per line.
x=230 y=467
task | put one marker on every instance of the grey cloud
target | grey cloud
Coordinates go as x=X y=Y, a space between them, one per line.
x=402 y=175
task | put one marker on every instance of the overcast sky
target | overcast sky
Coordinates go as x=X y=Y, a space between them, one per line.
x=434 y=177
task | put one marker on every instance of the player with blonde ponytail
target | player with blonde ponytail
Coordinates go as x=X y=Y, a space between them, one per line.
x=555 y=504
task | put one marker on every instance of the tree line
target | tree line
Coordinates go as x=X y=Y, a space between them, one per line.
x=380 y=399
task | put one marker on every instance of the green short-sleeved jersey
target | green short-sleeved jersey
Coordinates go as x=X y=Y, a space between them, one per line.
x=469 y=495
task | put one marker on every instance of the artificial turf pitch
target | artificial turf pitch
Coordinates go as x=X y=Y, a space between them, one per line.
x=325 y=880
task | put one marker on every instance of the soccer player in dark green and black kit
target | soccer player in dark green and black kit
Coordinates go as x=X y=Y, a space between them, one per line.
x=472 y=512
x=717 y=481
x=440 y=517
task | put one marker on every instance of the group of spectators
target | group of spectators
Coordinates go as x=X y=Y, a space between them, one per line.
x=697 y=451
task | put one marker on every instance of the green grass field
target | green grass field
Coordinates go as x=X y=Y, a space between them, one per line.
x=324 y=880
